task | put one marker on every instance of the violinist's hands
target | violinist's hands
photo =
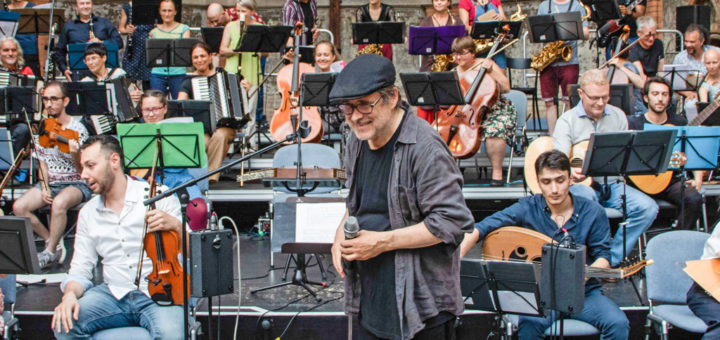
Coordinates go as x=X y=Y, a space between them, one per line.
x=65 y=313
x=158 y=220
x=46 y=196
x=74 y=146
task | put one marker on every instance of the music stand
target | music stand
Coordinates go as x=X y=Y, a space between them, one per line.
x=18 y=254
x=433 y=40
x=169 y=52
x=37 y=20
x=258 y=38
x=146 y=12
x=603 y=10
x=19 y=99
x=213 y=37
x=552 y=27
x=434 y=89
x=490 y=29
x=378 y=32
x=316 y=88
x=7 y=155
x=8 y=23
x=682 y=77
x=76 y=55
x=199 y=110
x=90 y=98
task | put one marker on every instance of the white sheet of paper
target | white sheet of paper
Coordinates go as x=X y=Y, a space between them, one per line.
x=317 y=222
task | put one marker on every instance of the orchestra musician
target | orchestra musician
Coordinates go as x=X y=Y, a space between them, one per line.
x=634 y=75
x=110 y=226
x=28 y=41
x=695 y=43
x=649 y=53
x=373 y=11
x=441 y=16
x=78 y=31
x=12 y=59
x=304 y=11
x=700 y=302
x=594 y=114
x=560 y=73
x=657 y=93
x=217 y=145
x=631 y=16
x=468 y=14
x=709 y=88
x=168 y=79
x=95 y=59
x=134 y=60
x=405 y=190
x=555 y=212
x=327 y=59
x=60 y=186
x=499 y=124
x=218 y=16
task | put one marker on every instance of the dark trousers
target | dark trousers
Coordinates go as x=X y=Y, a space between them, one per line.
x=20 y=136
x=443 y=331
x=706 y=308
x=693 y=202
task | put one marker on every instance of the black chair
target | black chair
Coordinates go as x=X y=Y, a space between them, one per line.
x=524 y=64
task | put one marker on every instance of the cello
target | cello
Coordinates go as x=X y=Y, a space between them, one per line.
x=165 y=281
x=284 y=121
x=459 y=125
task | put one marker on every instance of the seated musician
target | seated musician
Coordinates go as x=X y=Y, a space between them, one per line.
x=468 y=14
x=700 y=302
x=695 y=42
x=110 y=226
x=657 y=94
x=218 y=144
x=649 y=53
x=12 y=60
x=441 y=17
x=327 y=59
x=95 y=59
x=60 y=184
x=709 y=88
x=499 y=124
x=634 y=75
x=555 y=212
x=594 y=114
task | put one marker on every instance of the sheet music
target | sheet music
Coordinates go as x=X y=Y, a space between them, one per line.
x=317 y=222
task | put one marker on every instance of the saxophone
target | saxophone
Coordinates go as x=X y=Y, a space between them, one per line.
x=555 y=50
x=371 y=49
x=443 y=62
x=484 y=45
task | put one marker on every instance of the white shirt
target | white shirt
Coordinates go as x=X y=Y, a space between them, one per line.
x=712 y=246
x=683 y=58
x=117 y=239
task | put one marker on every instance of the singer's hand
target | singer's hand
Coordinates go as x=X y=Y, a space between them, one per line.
x=337 y=258
x=367 y=245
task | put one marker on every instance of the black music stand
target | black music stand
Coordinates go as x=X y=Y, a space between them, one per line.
x=169 y=52
x=603 y=10
x=17 y=100
x=436 y=89
x=18 y=254
x=316 y=88
x=490 y=29
x=433 y=40
x=37 y=20
x=8 y=23
x=378 y=32
x=682 y=77
x=199 y=110
x=7 y=156
x=552 y=27
x=258 y=38
x=213 y=37
x=88 y=98
x=146 y=12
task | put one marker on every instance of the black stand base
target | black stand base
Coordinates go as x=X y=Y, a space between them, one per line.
x=299 y=279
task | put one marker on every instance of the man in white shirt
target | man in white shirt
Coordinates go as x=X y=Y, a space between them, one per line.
x=695 y=44
x=111 y=225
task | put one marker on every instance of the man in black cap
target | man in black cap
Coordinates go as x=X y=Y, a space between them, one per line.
x=402 y=270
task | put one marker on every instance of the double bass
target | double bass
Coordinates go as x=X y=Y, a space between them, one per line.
x=459 y=125
x=284 y=121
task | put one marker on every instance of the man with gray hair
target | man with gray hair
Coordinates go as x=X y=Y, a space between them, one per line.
x=594 y=114
x=649 y=53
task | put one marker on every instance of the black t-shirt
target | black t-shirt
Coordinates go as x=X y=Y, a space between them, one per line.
x=650 y=58
x=637 y=122
x=378 y=310
x=309 y=21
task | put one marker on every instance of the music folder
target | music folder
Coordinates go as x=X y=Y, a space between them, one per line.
x=491 y=29
x=433 y=40
x=378 y=32
x=561 y=26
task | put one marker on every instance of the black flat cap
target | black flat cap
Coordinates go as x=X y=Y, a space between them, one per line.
x=362 y=76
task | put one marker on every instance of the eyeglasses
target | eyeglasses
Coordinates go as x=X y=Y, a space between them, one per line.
x=152 y=109
x=51 y=99
x=363 y=108
x=597 y=98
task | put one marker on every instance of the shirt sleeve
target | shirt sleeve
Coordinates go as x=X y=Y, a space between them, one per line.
x=170 y=205
x=509 y=216
x=562 y=136
x=288 y=14
x=61 y=49
x=634 y=54
x=598 y=241
x=84 y=256
x=112 y=33
x=543 y=8
x=186 y=87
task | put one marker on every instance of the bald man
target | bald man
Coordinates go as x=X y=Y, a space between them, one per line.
x=217 y=16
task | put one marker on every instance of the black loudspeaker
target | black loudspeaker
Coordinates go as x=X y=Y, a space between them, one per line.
x=569 y=280
x=211 y=263
x=693 y=14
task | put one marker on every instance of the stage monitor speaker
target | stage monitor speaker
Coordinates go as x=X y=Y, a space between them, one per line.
x=568 y=281
x=211 y=263
x=686 y=15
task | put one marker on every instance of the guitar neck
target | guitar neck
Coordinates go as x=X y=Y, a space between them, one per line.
x=618 y=273
x=702 y=116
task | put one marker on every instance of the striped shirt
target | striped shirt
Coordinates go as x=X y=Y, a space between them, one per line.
x=292 y=13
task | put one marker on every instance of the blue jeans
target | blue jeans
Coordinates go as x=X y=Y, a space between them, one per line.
x=162 y=83
x=100 y=310
x=641 y=211
x=599 y=311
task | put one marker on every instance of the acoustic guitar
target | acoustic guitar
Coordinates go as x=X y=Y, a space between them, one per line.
x=525 y=245
x=544 y=144
x=655 y=184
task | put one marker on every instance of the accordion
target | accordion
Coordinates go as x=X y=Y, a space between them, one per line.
x=110 y=104
x=229 y=100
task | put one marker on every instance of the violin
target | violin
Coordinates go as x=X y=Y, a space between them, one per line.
x=52 y=134
x=165 y=281
x=459 y=125
x=284 y=121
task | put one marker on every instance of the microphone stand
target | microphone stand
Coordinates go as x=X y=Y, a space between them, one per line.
x=50 y=53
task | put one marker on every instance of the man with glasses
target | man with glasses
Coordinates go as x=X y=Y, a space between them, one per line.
x=60 y=184
x=649 y=54
x=594 y=114
x=406 y=192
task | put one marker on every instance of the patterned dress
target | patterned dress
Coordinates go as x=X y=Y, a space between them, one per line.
x=134 y=60
x=500 y=121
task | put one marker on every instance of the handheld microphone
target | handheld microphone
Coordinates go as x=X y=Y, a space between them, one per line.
x=351 y=227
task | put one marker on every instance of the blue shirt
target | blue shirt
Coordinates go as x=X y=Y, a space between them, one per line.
x=78 y=32
x=588 y=224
